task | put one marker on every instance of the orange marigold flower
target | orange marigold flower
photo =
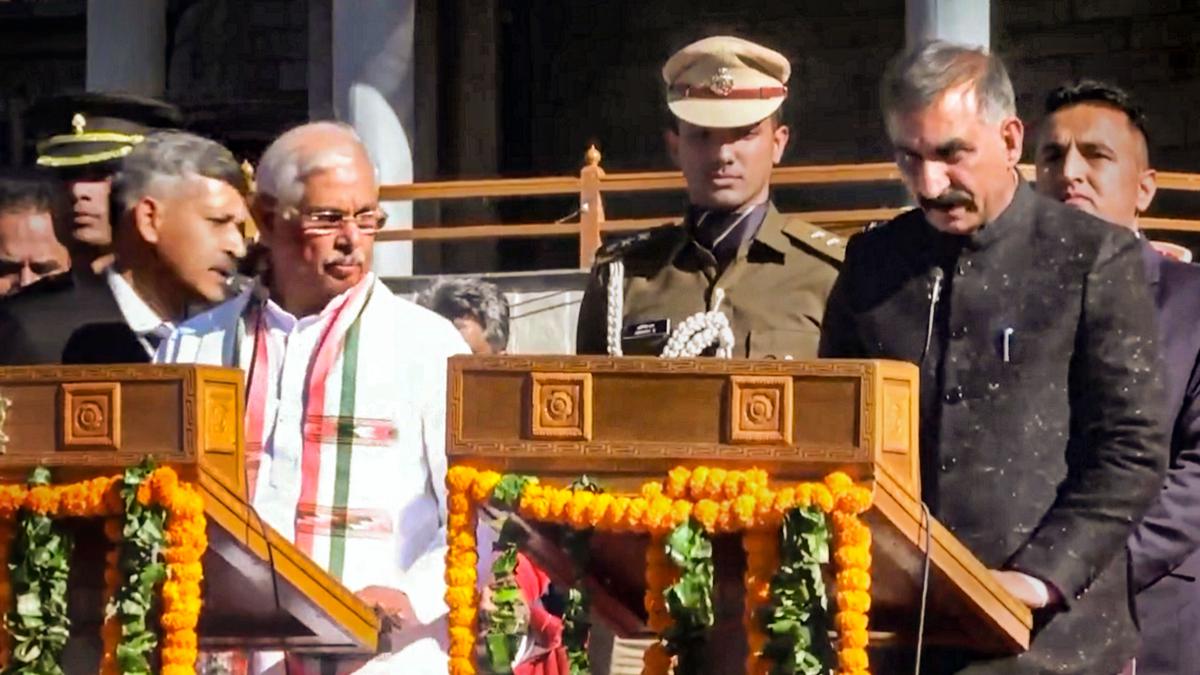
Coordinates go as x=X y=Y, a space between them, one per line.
x=485 y=483
x=558 y=503
x=457 y=503
x=850 y=621
x=785 y=499
x=852 y=557
x=854 y=501
x=598 y=509
x=463 y=616
x=460 y=478
x=463 y=540
x=853 y=658
x=681 y=510
x=854 y=601
x=706 y=511
x=42 y=499
x=696 y=483
x=822 y=497
x=838 y=481
x=677 y=481
x=651 y=490
x=181 y=620
x=577 y=507
x=538 y=508
x=458 y=596
x=457 y=521
x=636 y=513
x=462 y=666
x=743 y=509
x=460 y=576
x=856 y=639
x=733 y=484
x=853 y=580
x=715 y=482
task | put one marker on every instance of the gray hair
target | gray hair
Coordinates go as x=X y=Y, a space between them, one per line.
x=286 y=162
x=920 y=74
x=167 y=157
x=471 y=298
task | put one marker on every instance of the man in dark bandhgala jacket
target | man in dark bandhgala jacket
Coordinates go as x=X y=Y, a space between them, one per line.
x=1042 y=438
x=1093 y=154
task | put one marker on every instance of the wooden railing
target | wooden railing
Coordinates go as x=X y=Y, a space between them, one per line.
x=593 y=183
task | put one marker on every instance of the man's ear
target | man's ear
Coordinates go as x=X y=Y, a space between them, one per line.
x=781 y=135
x=1012 y=133
x=146 y=217
x=671 y=138
x=1147 y=187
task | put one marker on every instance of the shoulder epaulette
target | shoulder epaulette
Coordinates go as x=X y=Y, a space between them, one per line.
x=818 y=239
x=622 y=246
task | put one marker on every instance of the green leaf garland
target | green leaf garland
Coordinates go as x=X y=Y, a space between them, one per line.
x=510 y=618
x=689 y=600
x=38 y=572
x=797 y=618
x=142 y=570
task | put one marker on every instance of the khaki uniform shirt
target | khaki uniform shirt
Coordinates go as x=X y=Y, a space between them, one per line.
x=775 y=289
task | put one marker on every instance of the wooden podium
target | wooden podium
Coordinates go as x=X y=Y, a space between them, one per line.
x=260 y=592
x=627 y=420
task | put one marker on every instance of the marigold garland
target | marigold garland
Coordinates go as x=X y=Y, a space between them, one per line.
x=720 y=500
x=187 y=541
x=110 y=630
x=100 y=498
x=762 y=559
x=660 y=574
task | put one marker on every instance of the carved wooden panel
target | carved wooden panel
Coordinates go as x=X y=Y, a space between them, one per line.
x=897 y=429
x=91 y=416
x=760 y=409
x=220 y=417
x=561 y=406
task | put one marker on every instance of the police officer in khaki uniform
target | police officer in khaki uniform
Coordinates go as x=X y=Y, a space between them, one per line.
x=734 y=253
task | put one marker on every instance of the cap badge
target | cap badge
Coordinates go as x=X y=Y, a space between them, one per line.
x=721 y=83
x=78 y=122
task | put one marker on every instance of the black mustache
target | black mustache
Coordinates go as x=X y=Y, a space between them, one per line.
x=947 y=200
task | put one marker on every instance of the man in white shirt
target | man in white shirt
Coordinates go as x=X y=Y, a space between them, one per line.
x=346 y=389
x=179 y=209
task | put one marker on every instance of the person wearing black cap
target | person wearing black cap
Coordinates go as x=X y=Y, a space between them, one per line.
x=84 y=137
x=179 y=205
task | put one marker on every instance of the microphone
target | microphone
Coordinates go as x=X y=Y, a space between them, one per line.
x=937 y=275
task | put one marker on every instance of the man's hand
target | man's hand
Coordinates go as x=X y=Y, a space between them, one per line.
x=1029 y=591
x=390 y=603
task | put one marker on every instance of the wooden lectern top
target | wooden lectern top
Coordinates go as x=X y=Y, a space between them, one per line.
x=628 y=420
x=260 y=591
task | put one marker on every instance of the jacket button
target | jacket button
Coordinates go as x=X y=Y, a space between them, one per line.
x=953 y=395
x=958 y=332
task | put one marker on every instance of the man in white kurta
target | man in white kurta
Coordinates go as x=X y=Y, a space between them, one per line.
x=346 y=394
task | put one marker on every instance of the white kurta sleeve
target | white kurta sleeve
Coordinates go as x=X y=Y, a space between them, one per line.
x=424 y=582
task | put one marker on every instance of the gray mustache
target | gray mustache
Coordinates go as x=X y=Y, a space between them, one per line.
x=948 y=200
x=355 y=258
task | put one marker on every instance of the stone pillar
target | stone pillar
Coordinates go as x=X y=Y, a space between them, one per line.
x=962 y=21
x=126 y=46
x=372 y=90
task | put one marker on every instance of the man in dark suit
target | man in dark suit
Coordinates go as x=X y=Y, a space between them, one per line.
x=179 y=205
x=1093 y=154
x=1042 y=439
